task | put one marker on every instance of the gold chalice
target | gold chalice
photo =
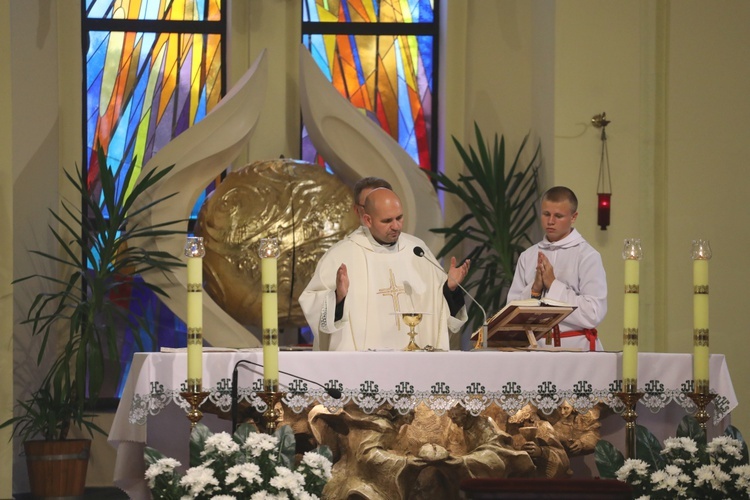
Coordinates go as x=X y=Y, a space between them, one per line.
x=412 y=319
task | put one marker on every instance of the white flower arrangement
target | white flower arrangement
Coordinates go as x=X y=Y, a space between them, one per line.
x=248 y=465
x=685 y=467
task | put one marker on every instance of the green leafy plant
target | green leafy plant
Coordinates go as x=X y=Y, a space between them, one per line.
x=80 y=320
x=685 y=467
x=501 y=211
x=249 y=465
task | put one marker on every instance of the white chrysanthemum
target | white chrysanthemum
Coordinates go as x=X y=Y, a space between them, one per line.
x=680 y=443
x=711 y=475
x=633 y=471
x=250 y=472
x=307 y=496
x=162 y=466
x=197 y=479
x=258 y=442
x=743 y=477
x=264 y=495
x=221 y=443
x=725 y=445
x=319 y=464
x=671 y=478
x=286 y=479
x=224 y=497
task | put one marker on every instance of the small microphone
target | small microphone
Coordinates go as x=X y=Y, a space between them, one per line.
x=333 y=392
x=419 y=252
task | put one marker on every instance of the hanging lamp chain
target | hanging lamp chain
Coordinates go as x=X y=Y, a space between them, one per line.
x=604 y=184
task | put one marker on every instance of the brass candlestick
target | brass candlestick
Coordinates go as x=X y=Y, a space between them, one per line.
x=271 y=416
x=194 y=398
x=630 y=397
x=702 y=400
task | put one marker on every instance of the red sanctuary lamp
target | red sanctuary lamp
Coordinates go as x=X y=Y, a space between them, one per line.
x=604 y=185
x=602 y=211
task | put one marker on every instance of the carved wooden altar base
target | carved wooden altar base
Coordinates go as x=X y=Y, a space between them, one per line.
x=426 y=455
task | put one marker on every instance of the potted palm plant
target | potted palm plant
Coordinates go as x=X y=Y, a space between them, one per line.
x=79 y=321
x=501 y=211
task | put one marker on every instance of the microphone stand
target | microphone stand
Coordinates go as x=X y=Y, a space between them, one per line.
x=270 y=398
x=419 y=252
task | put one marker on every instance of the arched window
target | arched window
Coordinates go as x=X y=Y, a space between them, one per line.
x=382 y=56
x=152 y=69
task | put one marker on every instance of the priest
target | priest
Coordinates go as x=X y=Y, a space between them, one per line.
x=363 y=282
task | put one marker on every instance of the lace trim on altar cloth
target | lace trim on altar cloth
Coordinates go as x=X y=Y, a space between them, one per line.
x=440 y=398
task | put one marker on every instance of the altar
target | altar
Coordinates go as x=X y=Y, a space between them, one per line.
x=152 y=411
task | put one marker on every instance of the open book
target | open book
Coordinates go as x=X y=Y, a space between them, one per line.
x=536 y=302
x=522 y=322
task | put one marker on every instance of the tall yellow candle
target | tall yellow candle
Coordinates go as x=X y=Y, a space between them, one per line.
x=269 y=253
x=632 y=253
x=194 y=251
x=701 y=255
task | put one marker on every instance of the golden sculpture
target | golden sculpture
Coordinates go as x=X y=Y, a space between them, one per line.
x=305 y=206
x=543 y=446
x=425 y=455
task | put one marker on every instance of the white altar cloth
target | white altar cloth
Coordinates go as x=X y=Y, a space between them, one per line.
x=442 y=380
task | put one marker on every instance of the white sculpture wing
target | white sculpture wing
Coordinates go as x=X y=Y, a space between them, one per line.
x=355 y=147
x=199 y=155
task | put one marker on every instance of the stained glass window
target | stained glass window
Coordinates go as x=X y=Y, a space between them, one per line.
x=381 y=56
x=152 y=69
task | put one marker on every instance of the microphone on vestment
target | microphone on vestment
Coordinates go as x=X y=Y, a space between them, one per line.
x=419 y=252
x=333 y=392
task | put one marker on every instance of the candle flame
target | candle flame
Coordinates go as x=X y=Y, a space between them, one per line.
x=632 y=249
x=194 y=247
x=701 y=250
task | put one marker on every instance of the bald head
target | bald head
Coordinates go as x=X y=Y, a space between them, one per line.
x=362 y=188
x=383 y=215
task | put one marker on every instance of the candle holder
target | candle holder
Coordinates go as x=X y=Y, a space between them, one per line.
x=630 y=398
x=702 y=398
x=271 y=416
x=194 y=398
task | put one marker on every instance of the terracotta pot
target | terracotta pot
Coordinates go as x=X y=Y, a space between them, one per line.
x=57 y=468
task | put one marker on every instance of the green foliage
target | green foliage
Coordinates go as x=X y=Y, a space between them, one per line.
x=608 y=458
x=647 y=447
x=501 y=211
x=100 y=256
x=689 y=427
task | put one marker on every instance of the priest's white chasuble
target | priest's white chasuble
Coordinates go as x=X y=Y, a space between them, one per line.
x=383 y=281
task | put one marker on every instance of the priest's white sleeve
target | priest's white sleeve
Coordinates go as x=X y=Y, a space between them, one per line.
x=457 y=322
x=318 y=303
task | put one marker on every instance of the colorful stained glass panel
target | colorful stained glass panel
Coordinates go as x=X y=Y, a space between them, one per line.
x=368 y=11
x=143 y=89
x=388 y=77
x=155 y=10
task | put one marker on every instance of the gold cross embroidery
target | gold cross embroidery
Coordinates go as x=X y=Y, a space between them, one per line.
x=394 y=291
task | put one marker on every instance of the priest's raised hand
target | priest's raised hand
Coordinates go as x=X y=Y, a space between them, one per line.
x=456 y=274
x=342 y=283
